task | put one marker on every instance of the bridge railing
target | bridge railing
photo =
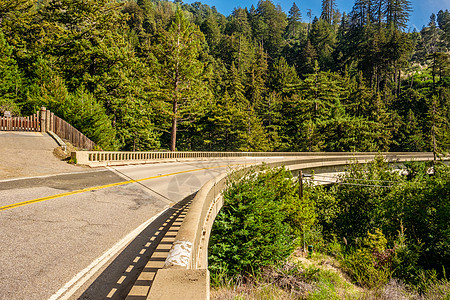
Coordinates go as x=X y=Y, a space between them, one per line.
x=188 y=256
x=110 y=158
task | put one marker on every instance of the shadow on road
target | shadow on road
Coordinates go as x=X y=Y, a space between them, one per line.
x=116 y=281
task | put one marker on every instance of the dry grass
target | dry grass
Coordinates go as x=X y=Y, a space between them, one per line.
x=299 y=278
x=250 y=291
x=62 y=154
x=318 y=277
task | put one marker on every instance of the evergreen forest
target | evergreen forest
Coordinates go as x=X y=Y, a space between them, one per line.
x=153 y=75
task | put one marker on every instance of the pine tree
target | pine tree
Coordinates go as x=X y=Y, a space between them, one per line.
x=81 y=110
x=282 y=76
x=397 y=13
x=180 y=69
x=239 y=23
x=243 y=54
x=269 y=24
x=15 y=14
x=11 y=79
x=258 y=76
x=438 y=127
x=361 y=13
x=294 y=21
x=343 y=132
x=236 y=89
x=414 y=140
x=323 y=39
x=360 y=101
x=307 y=59
x=433 y=41
x=439 y=66
x=443 y=19
x=321 y=90
x=309 y=14
x=377 y=13
x=211 y=30
x=328 y=10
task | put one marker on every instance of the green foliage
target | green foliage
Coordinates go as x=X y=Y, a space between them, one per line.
x=271 y=80
x=11 y=83
x=323 y=37
x=259 y=222
x=370 y=264
x=326 y=290
x=381 y=224
x=81 y=110
x=268 y=24
x=180 y=70
x=422 y=206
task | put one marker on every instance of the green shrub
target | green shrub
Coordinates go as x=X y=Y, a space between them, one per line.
x=370 y=265
x=326 y=290
x=82 y=111
x=261 y=218
x=375 y=196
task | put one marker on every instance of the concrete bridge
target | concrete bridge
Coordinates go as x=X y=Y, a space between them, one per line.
x=134 y=221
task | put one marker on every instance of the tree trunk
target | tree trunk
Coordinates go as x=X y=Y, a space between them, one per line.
x=433 y=70
x=176 y=83
x=173 y=138
x=433 y=131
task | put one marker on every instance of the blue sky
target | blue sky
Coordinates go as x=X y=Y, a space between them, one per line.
x=420 y=16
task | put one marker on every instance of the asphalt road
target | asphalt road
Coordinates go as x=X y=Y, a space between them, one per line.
x=76 y=235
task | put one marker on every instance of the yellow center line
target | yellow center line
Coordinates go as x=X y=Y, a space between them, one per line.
x=95 y=188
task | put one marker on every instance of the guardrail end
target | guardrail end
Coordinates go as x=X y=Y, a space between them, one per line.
x=180 y=284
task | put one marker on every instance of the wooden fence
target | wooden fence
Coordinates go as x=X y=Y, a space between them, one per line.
x=67 y=132
x=30 y=123
x=43 y=121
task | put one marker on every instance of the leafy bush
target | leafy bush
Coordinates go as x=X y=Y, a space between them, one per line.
x=370 y=264
x=412 y=213
x=82 y=111
x=261 y=218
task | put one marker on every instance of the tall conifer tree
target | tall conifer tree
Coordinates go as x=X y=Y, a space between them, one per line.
x=328 y=10
x=294 y=20
x=397 y=13
x=180 y=69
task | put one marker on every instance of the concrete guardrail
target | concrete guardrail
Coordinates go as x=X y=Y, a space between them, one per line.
x=185 y=274
x=111 y=158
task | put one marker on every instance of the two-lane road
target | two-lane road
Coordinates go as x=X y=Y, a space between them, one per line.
x=59 y=233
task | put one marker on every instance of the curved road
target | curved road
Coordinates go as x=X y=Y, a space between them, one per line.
x=81 y=235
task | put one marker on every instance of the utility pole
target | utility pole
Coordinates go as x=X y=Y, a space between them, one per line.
x=300 y=184
x=300 y=196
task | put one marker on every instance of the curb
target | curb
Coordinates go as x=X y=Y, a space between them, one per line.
x=58 y=140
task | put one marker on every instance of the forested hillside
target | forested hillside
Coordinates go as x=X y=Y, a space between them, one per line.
x=145 y=74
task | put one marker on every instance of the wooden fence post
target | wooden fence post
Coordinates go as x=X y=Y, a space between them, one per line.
x=52 y=124
x=37 y=123
x=43 y=119
x=47 y=120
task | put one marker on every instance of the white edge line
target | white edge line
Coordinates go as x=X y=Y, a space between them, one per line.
x=78 y=280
